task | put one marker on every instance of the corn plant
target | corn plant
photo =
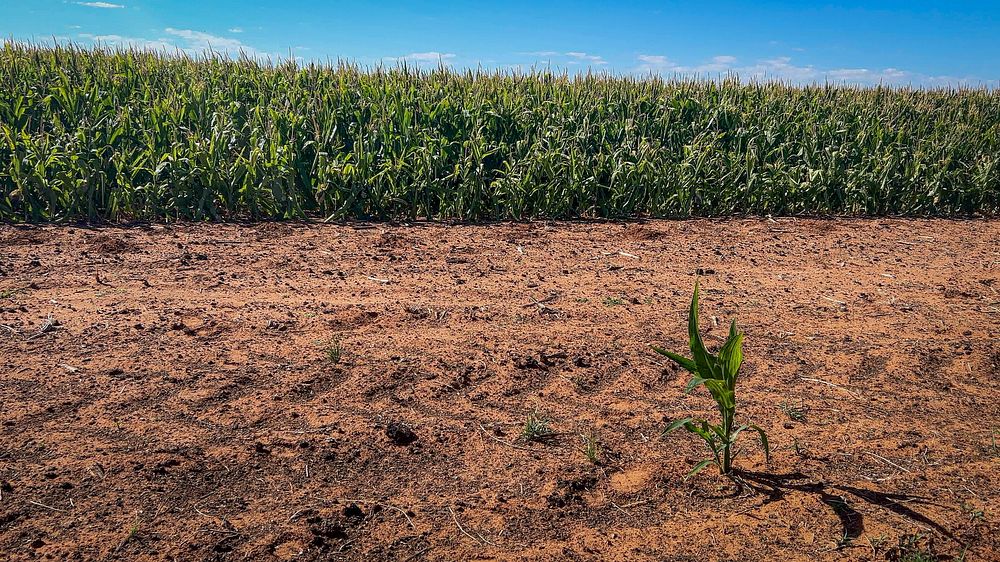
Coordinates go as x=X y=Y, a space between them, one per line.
x=719 y=374
x=111 y=134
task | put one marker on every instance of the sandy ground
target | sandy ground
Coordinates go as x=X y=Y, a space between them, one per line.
x=305 y=392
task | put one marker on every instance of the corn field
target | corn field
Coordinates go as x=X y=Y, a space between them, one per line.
x=119 y=135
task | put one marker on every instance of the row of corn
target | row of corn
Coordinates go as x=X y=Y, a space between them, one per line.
x=117 y=135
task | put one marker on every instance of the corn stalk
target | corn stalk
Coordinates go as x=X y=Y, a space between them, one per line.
x=719 y=374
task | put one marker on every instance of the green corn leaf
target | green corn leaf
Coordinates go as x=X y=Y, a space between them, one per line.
x=763 y=442
x=738 y=430
x=702 y=358
x=674 y=425
x=721 y=393
x=720 y=431
x=684 y=362
x=698 y=467
x=693 y=384
x=731 y=354
x=703 y=432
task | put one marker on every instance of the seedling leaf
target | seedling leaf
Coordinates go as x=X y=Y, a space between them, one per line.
x=698 y=467
x=693 y=384
x=676 y=424
x=684 y=362
x=763 y=442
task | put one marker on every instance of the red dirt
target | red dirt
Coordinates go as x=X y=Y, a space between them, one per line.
x=185 y=407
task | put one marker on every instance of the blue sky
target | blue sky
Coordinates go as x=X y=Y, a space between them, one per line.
x=900 y=42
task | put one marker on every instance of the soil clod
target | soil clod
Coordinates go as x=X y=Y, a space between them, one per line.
x=400 y=433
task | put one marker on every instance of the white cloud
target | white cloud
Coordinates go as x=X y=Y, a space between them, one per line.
x=130 y=42
x=235 y=30
x=568 y=58
x=186 y=40
x=202 y=41
x=429 y=57
x=660 y=64
x=782 y=69
x=587 y=58
x=654 y=60
x=102 y=5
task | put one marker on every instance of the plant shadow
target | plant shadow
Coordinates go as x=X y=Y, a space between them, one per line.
x=775 y=486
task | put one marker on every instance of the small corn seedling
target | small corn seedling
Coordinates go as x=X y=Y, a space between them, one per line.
x=718 y=373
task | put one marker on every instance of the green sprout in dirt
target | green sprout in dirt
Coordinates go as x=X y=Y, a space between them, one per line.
x=974 y=513
x=536 y=427
x=914 y=548
x=876 y=544
x=133 y=533
x=334 y=352
x=719 y=374
x=591 y=447
x=9 y=293
x=794 y=413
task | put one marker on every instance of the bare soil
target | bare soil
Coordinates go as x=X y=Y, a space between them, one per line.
x=287 y=391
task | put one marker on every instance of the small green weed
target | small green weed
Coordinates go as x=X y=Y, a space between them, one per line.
x=914 y=548
x=798 y=448
x=974 y=513
x=613 y=301
x=876 y=544
x=9 y=293
x=794 y=413
x=334 y=352
x=844 y=541
x=591 y=447
x=536 y=427
x=133 y=533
